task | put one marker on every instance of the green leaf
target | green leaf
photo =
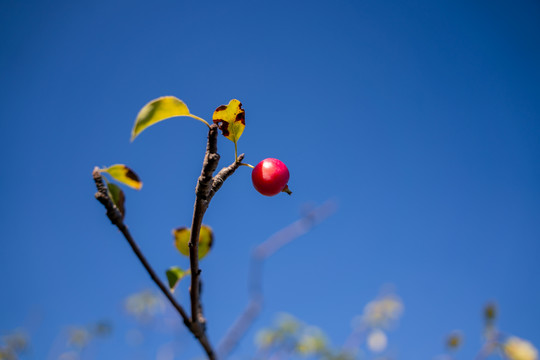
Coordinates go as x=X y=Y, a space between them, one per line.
x=117 y=196
x=174 y=275
x=125 y=175
x=181 y=240
x=158 y=110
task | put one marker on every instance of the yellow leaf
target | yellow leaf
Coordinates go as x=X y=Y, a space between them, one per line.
x=519 y=349
x=125 y=175
x=181 y=240
x=160 y=109
x=231 y=120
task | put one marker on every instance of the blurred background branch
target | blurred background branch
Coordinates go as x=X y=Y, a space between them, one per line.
x=255 y=282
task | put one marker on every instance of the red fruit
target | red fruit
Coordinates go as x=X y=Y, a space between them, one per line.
x=270 y=177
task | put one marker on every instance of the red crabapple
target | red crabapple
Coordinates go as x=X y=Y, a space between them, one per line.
x=270 y=177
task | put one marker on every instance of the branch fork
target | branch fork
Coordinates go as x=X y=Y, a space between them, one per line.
x=207 y=186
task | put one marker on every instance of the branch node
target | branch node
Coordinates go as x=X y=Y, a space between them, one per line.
x=222 y=175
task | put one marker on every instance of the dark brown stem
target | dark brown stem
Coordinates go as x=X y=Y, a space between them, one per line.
x=115 y=216
x=211 y=160
x=222 y=175
x=207 y=186
x=261 y=253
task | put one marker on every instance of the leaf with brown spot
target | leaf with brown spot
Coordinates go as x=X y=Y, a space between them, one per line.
x=158 y=110
x=125 y=175
x=230 y=120
x=181 y=240
x=117 y=196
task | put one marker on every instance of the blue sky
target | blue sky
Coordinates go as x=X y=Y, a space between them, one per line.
x=421 y=118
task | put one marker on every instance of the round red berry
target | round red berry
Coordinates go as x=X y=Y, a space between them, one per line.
x=270 y=177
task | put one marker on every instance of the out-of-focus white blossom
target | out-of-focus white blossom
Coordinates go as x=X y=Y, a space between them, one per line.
x=144 y=305
x=377 y=340
x=382 y=312
x=264 y=338
x=311 y=341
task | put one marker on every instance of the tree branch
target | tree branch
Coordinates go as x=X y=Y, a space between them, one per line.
x=222 y=175
x=259 y=254
x=114 y=215
x=211 y=160
x=207 y=186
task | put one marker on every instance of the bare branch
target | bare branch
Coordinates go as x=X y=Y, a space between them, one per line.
x=206 y=188
x=222 y=175
x=260 y=253
x=211 y=160
x=114 y=215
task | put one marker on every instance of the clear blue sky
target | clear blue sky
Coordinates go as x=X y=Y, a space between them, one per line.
x=422 y=118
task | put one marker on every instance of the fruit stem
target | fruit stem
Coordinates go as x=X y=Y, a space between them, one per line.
x=248 y=165
x=287 y=190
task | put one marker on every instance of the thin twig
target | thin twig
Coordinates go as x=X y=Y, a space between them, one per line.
x=222 y=175
x=493 y=342
x=260 y=253
x=116 y=219
x=486 y=350
x=355 y=339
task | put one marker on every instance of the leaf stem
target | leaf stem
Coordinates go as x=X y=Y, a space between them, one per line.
x=200 y=119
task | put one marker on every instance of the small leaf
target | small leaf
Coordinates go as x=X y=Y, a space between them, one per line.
x=158 y=110
x=125 y=175
x=174 y=275
x=181 y=240
x=231 y=120
x=117 y=196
